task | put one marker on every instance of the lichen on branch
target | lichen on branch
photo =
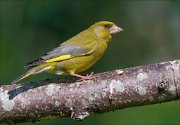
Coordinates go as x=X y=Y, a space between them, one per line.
x=108 y=91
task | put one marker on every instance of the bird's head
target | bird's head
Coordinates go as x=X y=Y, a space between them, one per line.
x=104 y=29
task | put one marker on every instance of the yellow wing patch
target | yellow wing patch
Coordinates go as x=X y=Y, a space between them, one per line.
x=59 y=58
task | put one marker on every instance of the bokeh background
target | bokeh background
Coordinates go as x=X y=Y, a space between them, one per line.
x=30 y=28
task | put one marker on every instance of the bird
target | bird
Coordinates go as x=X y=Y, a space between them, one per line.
x=75 y=55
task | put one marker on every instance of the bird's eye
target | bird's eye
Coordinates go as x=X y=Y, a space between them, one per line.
x=106 y=25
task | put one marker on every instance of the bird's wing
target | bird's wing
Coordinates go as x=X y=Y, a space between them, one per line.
x=66 y=51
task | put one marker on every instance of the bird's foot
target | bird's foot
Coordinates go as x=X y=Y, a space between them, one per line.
x=88 y=76
x=84 y=78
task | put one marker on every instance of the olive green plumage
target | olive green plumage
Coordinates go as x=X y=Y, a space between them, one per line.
x=76 y=54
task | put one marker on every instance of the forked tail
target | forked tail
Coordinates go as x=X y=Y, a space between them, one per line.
x=32 y=71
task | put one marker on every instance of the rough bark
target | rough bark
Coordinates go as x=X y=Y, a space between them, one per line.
x=109 y=91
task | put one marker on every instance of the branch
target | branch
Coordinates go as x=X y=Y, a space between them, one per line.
x=109 y=91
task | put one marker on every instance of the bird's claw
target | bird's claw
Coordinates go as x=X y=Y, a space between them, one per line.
x=87 y=77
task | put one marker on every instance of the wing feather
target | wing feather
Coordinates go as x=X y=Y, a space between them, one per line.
x=67 y=50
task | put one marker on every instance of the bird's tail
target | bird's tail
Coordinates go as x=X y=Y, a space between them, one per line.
x=32 y=71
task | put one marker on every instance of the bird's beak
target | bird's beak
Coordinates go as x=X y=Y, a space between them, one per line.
x=115 y=29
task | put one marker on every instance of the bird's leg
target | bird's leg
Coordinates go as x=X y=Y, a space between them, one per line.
x=83 y=78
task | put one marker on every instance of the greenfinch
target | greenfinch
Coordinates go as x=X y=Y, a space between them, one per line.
x=76 y=54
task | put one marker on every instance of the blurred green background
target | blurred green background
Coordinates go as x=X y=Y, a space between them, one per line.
x=30 y=28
